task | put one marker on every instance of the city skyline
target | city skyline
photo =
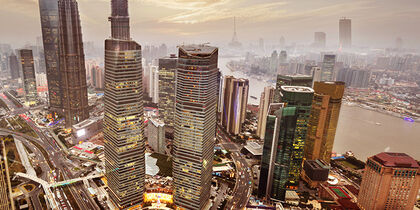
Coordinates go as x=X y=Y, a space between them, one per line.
x=181 y=21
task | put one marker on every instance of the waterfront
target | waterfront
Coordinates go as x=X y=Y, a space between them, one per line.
x=357 y=130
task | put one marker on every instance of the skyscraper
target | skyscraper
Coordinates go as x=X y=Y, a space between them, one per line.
x=195 y=124
x=323 y=121
x=28 y=77
x=345 y=33
x=51 y=41
x=283 y=57
x=327 y=71
x=167 y=71
x=123 y=117
x=274 y=62
x=390 y=181
x=14 y=66
x=267 y=97
x=72 y=64
x=291 y=80
x=320 y=39
x=235 y=94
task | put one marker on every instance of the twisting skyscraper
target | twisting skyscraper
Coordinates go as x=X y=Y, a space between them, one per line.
x=195 y=124
x=72 y=63
x=123 y=120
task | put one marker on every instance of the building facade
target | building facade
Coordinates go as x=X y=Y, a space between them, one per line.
x=51 y=42
x=327 y=71
x=323 y=121
x=156 y=135
x=235 y=100
x=123 y=117
x=28 y=77
x=345 y=33
x=167 y=71
x=390 y=181
x=267 y=97
x=14 y=66
x=358 y=78
x=195 y=124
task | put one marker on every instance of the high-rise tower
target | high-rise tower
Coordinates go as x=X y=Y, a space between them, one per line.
x=28 y=76
x=123 y=120
x=14 y=66
x=167 y=71
x=345 y=33
x=50 y=37
x=327 y=71
x=195 y=124
x=323 y=122
x=267 y=97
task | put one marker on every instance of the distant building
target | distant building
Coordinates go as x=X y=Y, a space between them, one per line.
x=154 y=83
x=316 y=74
x=327 y=71
x=283 y=57
x=267 y=97
x=390 y=181
x=315 y=171
x=320 y=40
x=274 y=62
x=291 y=80
x=156 y=135
x=195 y=125
x=345 y=33
x=235 y=43
x=28 y=77
x=357 y=78
x=14 y=66
x=323 y=120
x=235 y=101
x=167 y=71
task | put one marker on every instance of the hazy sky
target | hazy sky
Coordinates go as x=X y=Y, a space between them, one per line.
x=375 y=22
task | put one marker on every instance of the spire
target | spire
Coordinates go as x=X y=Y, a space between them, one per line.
x=234 y=38
x=120 y=21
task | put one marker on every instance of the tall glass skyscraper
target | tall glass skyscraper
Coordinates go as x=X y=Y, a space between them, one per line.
x=123 y=118
x=167 y=71
x=284 y=142
x=195 y=124
x=28 y=77
x=345 y=33
x=323 y=122
x=327 y=71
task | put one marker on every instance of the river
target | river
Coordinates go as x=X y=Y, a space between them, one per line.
x=357 y=129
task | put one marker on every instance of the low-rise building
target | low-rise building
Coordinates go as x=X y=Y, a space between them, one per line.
x=314 y=172
x=86 y=129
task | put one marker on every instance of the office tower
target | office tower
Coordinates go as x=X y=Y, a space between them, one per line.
x=195 y=124
x=14 y=66
x=345 y=33
x=283 y=57
x=99 y=75
x=267 y=97
x=358 y=78
x=291 y=80
x=300 y=98
x=92 y=78
x=274 y=62
x=156 y=135
x=154 y=83
x=320 y=39
x=28 y=77
x=316 y=74
x=123 y=117
x=51 y=41
x=390 y=181
x=72 y=64
x=327 y=71
x=235 y=43
x=323 y=121
x=235 y=95
x=167 y=71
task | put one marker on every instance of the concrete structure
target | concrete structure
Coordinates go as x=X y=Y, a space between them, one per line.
x=315 y=172
x=267 y=97
x=156 y=135
x=123 y=117
x=320 y=39
x=195 y=124
x=358 y=78
x=167 y=71
x=14 y=66
x=345 y=33
x=84 y=130
x=323 y=121
x=254 y=148
x=316 y=74
x=28 y=77
x=291 y=80
x=235 y=100
x=390 y=181
x=72 y=64
x=327 y=71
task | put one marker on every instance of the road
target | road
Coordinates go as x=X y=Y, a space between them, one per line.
x=58 y=159
x=244 y=177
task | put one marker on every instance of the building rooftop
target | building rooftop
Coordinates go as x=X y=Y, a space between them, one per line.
x=399 y=160
x=295 y=76
x=254 y=148
x=318 y=164
x=300 y=89
x=157 y=122
x=195 y=49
